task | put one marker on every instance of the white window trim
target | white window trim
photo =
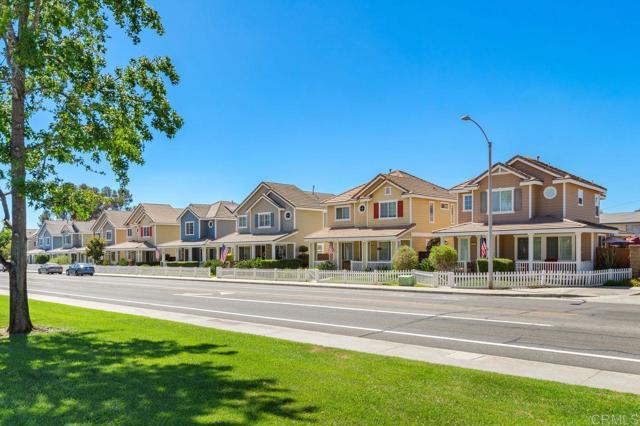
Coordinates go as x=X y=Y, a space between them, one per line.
x=210 y=224
x=288 y=213
x=387 y=190
x=186 y=228
x=468 y=240
x=362 y=208
x=444 y=206
x=464 y=209
x=129 y=232
x=432 y=209
x=64 y=239
x=343 y=219
x=380 y=203
x=543 y=247
x=490 y=201
x=47 y=241
x=580 y=197
x=108 y=235
x=264 y=214
x=246 y=222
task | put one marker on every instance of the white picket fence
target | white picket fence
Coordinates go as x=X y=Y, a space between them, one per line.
x=434 y=279
x=156 y=271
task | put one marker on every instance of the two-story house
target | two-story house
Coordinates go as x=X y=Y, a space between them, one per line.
x=110 y=226
x=63 y=237
x=148 y=226
x=32 y=245
x=366 y=224
x=200 y=225
x=544 y=218
x=273 y=220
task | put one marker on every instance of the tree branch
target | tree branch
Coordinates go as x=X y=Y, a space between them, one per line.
x=7 y=264
x=5 y=208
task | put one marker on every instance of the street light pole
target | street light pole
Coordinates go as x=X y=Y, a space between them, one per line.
x=489 y=204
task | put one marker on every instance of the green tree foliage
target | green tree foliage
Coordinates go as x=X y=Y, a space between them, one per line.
x=82 y=202
x=405 y=258
x=443 y=258
x=63 y=104
x=5 y=243
x=95 y=249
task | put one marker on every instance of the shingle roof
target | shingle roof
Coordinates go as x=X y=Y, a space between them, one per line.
x=161 y=213
x=217 y=210
x=555 y=170
x=359 y=232
x=55 y=226
x=297 y=197
x=345 y=196
x=622 y=217
x=533 y=224
x=83 y=227
x=116 y=217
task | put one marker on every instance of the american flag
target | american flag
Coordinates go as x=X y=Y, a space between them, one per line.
x=330 y=249
x=483 y=247
x=157 y=255
x=224 y=252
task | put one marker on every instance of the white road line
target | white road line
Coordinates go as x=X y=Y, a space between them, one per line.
x=373 y=330
x=379 y=311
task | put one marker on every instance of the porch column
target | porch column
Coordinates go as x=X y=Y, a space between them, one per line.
x=253 y=251
x=578 y=246
x=312 y=256
x=205 y=253
x=365 y=254
x=593 y=249
x=338 y=255
x=273 y=251
x=530 y=249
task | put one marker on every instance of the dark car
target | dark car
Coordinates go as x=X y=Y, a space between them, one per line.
x=50 y=268
x=81 y=269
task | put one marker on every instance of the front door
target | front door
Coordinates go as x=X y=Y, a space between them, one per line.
x=346 y=255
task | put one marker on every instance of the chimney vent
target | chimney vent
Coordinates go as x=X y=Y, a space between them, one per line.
x=538 y=158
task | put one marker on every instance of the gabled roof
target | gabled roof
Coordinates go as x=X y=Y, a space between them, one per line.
x=553 y=170
x=406 y=182
x=217 y=210
x=83 y=227
x=158 y=213
x=116 y=218
x=292 y=195
x=56 y=227
x=622 y=217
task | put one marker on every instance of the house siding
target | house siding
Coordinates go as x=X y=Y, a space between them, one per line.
x=501 y=181
x=188 y=216
x=166 y=233
x=225 y=227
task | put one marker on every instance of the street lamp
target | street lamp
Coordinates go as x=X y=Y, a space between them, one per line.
x=489 y=204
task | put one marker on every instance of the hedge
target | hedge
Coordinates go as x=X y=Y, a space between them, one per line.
x=499 y=265
x=184 y=264
x=269 y=264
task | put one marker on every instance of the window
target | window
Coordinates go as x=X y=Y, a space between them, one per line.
x=580 y=197
x=384 y=250
x=463 y=250
x=47 y=241
x=264 y=220
x=387 y=190
x=388 y=209
x=432 y=212
x=362 y=208
x=146 y=231
x=244 y=253
x=129 y=232
x=288 y=215
x=522 y=248
x=281 y=252
x=108 y=235
x=444 y=206
x=210 y=224
x=67 y=239
x=39 y=242
x=502 y=201
x=537 y=248
x=550 y=192
x=189 y=228
x=467 y=202
x=453 y=216
x=343 y=213
x=242 y=221
x=559 y=248
x=597 y=198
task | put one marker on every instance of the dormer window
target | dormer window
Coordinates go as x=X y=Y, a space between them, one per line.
x=129 y=232
x=580 y=197
x=387 y=190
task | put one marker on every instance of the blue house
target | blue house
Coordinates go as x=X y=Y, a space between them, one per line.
x=200 y=225
x=62 y=237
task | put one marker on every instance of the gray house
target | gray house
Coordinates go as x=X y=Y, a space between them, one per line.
x=62 y=237
x=200 y=226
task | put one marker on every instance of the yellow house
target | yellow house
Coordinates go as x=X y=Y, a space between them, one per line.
x=366 y=225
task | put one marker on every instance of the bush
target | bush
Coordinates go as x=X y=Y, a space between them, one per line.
x=405 y=258
x=148 y=264
x=443 y=258
x=213 y=264
x=270 y=264
x=425 y=265
x=95 y=249
x=327 y=266
x=105 y=262
x=61 y=260
x=499 y=265
x=41 y=259
x=303 y=249
x=191 y=264
x=123 y=262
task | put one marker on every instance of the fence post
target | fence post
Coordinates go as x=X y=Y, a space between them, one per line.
x=218 y=271
x=254 y=273
x=450 y=279
x=609 y=275
x=275 y=274
x=543 y=278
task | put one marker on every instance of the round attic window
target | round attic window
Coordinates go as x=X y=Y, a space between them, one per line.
x=362 y=208
x=210 y=224
x=287 y=215
x=550 y=193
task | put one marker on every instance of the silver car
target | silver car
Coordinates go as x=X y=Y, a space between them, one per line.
x=50 y=268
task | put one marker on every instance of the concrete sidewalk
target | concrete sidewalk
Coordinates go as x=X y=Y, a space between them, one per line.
x=621 y=382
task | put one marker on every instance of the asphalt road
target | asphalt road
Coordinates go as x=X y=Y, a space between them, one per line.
x=561 y=331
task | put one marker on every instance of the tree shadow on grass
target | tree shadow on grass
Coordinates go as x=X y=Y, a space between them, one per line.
x=80 y=379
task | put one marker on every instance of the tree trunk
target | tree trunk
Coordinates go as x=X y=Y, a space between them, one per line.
x=19 y=318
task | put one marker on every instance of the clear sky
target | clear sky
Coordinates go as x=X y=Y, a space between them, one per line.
x=330 y=93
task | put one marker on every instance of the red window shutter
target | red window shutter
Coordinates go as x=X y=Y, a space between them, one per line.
x=400 y=208
x=376 y=210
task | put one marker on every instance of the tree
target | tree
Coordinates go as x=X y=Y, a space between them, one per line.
x=443 y=258
x=61 y=104
x=95 y=249
x=405 y=258
x=44 y=216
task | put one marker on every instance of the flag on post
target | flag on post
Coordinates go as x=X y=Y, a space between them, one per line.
x=224 y=252
x=330 y=250
x=483 y=247
x=157 y=255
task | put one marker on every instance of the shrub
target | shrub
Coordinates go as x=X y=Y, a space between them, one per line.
x=190 y=264
x=105 y=262
x=123 y=262
x=425 y=265
x=431 y=244
x=443 y=258
x=499 y=265
x=270 y=264
x=303 y=249
x=41 y=259
x=405 y=258
x=213 y=264
x=61 y=260
x=95 y=249
x=327 y=266
x=148 y=264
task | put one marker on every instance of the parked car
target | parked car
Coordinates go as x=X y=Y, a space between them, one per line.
x=50 y=268
x=81 y=269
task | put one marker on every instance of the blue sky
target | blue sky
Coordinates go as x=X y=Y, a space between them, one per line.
x=331 y=93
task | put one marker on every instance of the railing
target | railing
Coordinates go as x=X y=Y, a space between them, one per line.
x=156 y=271
x=358 y=265
x=536 y=265
x=503 y=280
x=462 y=266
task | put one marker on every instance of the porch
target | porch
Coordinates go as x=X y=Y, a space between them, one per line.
x=275 y=251
x=355 y=255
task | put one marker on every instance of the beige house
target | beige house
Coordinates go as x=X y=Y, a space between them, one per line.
x=628 y=222
x=544 y=217
x=147 y=227
x=272 y=222
x=110 y=227
x=366 y=225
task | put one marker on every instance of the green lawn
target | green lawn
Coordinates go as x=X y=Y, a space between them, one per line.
x=110 y=369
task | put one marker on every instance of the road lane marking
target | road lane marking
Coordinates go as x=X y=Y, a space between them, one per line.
x=378 y=311
x=350 y=327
